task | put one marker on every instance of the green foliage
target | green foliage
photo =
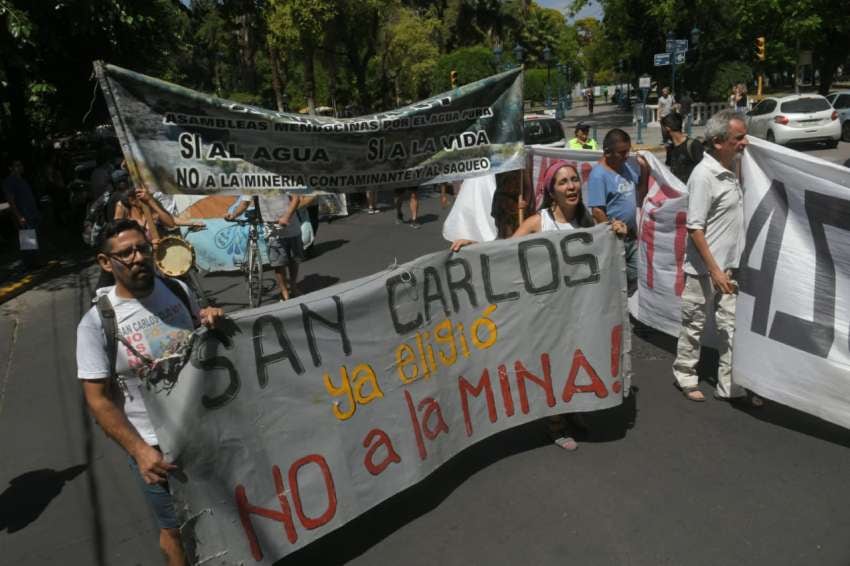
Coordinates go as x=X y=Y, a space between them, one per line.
x=726 y=76
x=471 y=64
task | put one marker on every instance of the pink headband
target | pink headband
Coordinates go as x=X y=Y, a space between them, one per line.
x=549 y=174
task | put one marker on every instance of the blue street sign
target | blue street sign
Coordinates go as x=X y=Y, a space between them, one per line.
x=662 y=59
x=670 y=46
x=681 y=45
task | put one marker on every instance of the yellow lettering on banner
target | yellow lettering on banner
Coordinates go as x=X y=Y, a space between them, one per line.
x=443 y=335
x=488 y=325
x=404 y=356
x=361 y=376
x=343 y=389
x=451 y=339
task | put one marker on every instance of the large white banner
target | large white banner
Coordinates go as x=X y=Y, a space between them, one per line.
x=302 y=415
x=793 y=316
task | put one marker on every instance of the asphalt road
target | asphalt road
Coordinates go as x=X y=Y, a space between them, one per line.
x=660 y=481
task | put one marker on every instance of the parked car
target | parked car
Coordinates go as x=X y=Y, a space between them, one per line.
x=795 y=118
x=538 y=129
x=841 y=102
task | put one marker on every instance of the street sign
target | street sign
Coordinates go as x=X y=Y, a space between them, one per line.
x=644 y=81
x=676 y=45
x=679 y=57
x=662 y=59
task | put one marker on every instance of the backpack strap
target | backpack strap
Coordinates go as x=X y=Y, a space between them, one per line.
x=110 y=330
x=178 y=290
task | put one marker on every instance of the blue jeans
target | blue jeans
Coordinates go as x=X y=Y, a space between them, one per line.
x=159 y=499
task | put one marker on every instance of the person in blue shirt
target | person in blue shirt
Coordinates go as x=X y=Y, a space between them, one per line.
x=616 y=188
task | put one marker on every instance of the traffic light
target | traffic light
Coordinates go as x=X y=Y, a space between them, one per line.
x=453 y=78
x=760 y=48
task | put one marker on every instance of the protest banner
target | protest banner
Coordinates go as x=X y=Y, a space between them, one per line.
x=177 y=140
x=303 y=415
x=793 y=313
x=794 y=272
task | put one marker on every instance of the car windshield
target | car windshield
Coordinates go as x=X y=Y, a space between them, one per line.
x=802 y=105
x=542 y=131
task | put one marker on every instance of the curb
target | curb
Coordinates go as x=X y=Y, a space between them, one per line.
x=12 y=289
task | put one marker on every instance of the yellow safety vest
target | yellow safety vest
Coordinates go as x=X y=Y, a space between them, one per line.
x=575 y=143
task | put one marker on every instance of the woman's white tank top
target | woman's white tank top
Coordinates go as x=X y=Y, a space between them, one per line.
x=549 y=224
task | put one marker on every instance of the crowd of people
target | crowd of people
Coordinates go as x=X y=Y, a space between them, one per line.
x=112 y=365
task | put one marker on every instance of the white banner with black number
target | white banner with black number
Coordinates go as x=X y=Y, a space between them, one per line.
x=793 y=316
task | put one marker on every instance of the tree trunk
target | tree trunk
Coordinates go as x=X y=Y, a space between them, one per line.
x=274 y=61
x=309 y=78
x=247 y=48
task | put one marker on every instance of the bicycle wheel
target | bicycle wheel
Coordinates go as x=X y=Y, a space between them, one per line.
x=255 y=275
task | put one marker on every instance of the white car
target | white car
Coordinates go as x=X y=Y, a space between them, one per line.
x=793 y=119
x=539 y=129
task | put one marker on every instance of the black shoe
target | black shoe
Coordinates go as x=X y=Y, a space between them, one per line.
x=415 y=225
x=399 y=218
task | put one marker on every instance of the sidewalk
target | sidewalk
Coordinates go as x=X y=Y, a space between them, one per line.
x=609 y=116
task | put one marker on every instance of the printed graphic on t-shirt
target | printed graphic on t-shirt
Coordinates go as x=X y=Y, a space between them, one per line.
x=157 y=335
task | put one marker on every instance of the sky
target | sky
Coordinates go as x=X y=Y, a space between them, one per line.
x=592 y=10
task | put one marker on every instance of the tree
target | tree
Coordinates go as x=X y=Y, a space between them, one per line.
x=300 y=24
x=409 y=53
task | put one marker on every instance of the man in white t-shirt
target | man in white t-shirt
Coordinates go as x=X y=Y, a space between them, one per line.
x=286 y=249
x=665 y=107
x=154 y=320
x=716 y=236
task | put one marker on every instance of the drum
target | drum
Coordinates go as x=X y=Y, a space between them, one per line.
x=174 y=256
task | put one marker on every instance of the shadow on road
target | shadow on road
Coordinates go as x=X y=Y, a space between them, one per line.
x=314 y=282
x=322 y=247
x=29 y=494
x=426 y=218
x=798 y=421
x=369 y=529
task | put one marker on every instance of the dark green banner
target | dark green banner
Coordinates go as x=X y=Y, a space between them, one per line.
x=182 y=141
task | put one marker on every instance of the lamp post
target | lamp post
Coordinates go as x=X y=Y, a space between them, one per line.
x=671 y=39
x=547 y=56
x=559 y=110
x=569 y=87
x=497 y=53
x=518 y=52
x=621 y=102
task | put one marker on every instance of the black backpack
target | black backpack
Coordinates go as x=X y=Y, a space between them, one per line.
x=110 y=325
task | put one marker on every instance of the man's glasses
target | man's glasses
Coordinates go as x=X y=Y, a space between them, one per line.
x=126 y=256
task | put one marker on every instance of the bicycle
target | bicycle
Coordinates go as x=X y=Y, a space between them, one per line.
x=252 y=264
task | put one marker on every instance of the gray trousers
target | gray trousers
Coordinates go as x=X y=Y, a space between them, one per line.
x=698 y=299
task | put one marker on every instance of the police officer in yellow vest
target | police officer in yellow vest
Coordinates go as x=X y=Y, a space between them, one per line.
x=582 y=139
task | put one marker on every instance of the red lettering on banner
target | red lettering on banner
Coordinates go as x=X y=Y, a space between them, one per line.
x=616 y=339
x=432 y=408
x=309 y=522
x=647 y=235
x=595 y=386
x=417 y=429
x=505 y=385
x=382 y=440
x=545 y=383
x=246 y=509
x=466 y=388
x=664 y=193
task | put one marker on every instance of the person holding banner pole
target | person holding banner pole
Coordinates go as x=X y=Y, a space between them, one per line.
x=561 y=210
x=616 y=188
x=132 y=338
x=715 y=224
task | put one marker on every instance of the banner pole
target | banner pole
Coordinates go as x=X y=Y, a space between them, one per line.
x=519 y=208
x=117 y=122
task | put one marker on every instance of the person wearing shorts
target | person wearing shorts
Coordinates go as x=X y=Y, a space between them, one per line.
x=286 y=249
x=414 y=207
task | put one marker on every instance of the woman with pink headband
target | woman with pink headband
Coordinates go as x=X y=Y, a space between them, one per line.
x=562 y=209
